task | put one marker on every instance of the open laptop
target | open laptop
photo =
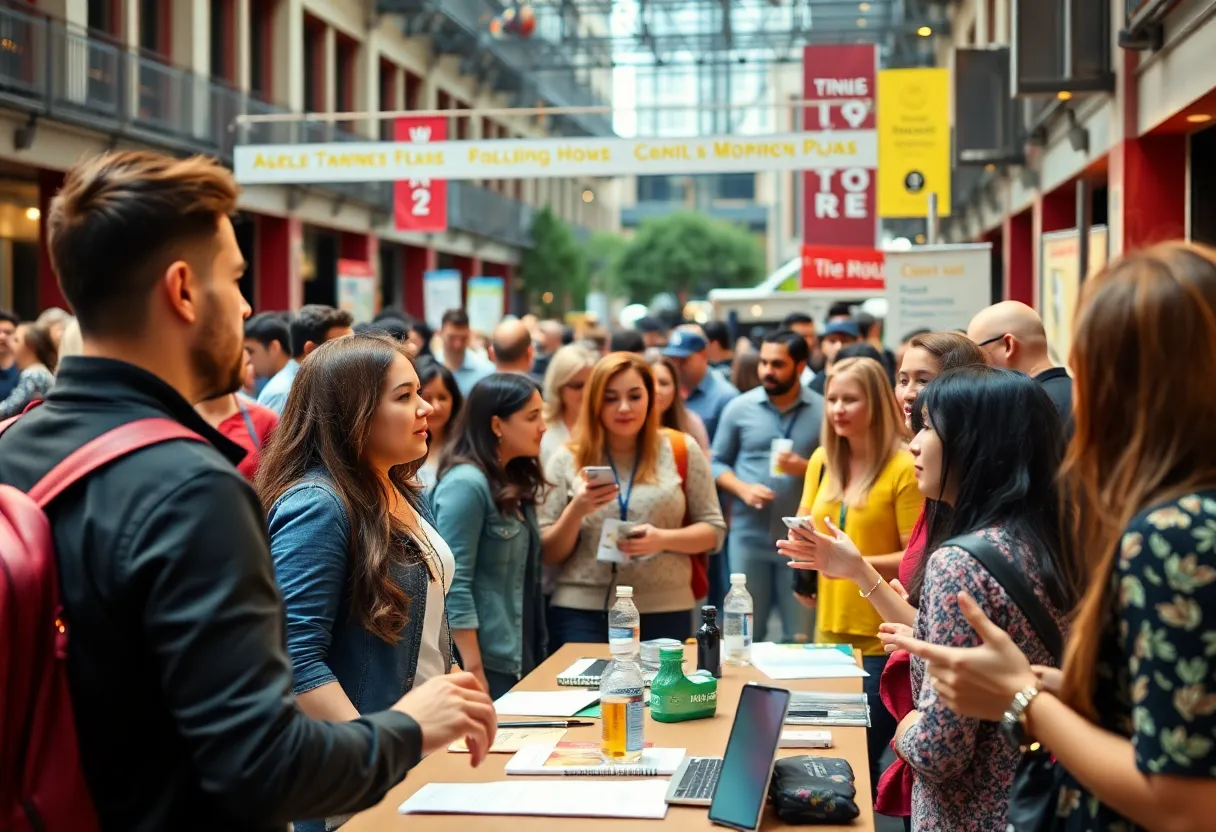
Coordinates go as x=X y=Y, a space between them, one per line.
x=735 y=786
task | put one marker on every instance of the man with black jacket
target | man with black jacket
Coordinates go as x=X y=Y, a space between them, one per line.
x=180 y=680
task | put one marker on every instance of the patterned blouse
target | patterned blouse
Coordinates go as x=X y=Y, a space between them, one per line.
x=33 y=384
x=1156 y=683
x=963 y=767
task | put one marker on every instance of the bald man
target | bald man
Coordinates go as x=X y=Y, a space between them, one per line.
x=511 y=348
x=1011 y=335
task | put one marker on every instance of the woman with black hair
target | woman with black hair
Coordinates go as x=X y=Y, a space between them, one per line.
x=440 y=391
x=485 y=509
x=988 y=446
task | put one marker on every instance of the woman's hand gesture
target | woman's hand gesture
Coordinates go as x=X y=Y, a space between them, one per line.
x=834 y=555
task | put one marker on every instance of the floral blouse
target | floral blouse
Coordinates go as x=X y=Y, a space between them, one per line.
x=33 y=384
x=1156 y=666
x=963 y=768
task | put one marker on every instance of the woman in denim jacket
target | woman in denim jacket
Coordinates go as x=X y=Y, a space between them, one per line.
x=485 y=507
x=362 y=570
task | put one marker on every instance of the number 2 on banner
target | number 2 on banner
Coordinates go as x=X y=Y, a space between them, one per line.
x=420 y=203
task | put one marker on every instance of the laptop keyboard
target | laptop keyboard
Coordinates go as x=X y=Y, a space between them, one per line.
x=700 y=779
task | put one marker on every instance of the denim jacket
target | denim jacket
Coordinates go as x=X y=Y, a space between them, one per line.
x=491 y=552
x=309 y=541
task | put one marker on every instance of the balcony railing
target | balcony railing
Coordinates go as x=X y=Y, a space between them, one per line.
x=50 y=69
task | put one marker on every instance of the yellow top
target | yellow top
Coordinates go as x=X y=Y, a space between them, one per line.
x=880 y=527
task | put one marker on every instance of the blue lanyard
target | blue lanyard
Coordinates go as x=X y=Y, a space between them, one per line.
x=789 y=428
x=623 y=494
x=844 y=513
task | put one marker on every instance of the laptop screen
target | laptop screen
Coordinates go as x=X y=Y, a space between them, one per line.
x=748 y=762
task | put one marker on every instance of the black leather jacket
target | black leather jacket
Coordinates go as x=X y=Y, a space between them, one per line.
x=177 y=662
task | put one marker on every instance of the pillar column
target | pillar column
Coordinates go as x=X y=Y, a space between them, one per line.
x=279 y=244
x=1017 y=242
x=417 y=262
x=1149 y=173
x=49 y=293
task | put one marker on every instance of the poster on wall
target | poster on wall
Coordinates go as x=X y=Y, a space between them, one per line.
x=913 y=141
x=440 y=292
x=357 y=289
x=421 y=203
x=939 y=288
x=485 y=302
x=839 y=205
x=1060 y=284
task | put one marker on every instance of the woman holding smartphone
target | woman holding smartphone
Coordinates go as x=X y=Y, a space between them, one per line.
x=618 y=428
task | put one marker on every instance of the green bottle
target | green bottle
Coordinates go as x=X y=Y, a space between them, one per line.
x=675 y=697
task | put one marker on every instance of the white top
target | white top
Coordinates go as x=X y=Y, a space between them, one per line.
x=428 y=474
x=430 y=656
x=556 y=435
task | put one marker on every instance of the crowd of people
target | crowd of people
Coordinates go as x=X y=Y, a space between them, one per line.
x=387 y=527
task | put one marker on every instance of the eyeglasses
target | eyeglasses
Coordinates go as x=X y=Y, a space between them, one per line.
x=991 y=340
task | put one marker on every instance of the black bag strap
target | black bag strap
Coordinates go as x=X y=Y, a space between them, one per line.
x=1019 y=589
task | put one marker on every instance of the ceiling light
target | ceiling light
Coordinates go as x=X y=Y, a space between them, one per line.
x=1063 y=95
x=864 y=7
x=547 y=297
x=990 y=167
x=924 y=31
x=33 y=214
x=588 y=195
x=861 y=21
x=920 y=239
x=1198 y=118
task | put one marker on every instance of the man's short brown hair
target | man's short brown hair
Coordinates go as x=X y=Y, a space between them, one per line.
x=118 y=222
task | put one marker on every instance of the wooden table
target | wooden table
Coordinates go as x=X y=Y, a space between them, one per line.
x=703 y=738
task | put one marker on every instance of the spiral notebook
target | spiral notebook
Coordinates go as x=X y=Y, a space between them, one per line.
x=585 y=673
x=583 y=759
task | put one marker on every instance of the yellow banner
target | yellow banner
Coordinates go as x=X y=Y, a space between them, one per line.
x=913 y=141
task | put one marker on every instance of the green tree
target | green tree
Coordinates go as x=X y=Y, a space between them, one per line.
x=554 y=267
x=688 y=254
x=603 y=253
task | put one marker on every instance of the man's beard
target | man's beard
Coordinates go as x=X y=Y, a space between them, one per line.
x=779 y=388
x=217 y=373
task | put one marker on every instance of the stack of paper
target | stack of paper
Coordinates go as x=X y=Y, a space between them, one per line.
x=806 y=661
x=540 y=798
x=821 y=708
x=545 y=702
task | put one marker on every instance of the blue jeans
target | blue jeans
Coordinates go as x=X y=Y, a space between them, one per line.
x=772 y=585
x=571 y=626
x=500 y=683
x=882 y=724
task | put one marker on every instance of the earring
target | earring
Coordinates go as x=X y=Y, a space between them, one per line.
x=499 y=438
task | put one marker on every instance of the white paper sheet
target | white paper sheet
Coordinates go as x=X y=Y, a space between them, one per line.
x=545 y=702
x=568 y=798
x=805 y=661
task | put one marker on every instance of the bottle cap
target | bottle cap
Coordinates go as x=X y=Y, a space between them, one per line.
x=671 y=651
x=624 y=592
x=709 y=610
x=737 y=579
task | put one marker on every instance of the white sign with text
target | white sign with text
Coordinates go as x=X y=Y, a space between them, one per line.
x=939 y=288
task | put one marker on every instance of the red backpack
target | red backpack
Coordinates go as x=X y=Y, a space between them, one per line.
x=42 y=786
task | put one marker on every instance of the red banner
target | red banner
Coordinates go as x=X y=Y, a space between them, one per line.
x=839 y=206
x=421 y=204
x=843 y=267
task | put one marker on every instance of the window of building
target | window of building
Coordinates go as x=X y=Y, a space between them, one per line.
x=737 y=186
x=314 y=65
x=261 y=48
x=103 y=17
x=152 y=19
x=344 y=77
x=388 y=98
x=223 y=39
x=659 y=189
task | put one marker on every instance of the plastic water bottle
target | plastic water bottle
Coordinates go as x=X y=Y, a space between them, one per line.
x=624 y=625
x=737 y=622
x=622 y=710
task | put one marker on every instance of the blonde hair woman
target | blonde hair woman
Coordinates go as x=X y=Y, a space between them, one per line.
x=618 y=426
x=862 y=482
x=565 y=379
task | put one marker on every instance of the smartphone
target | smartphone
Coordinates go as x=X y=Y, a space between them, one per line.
x=803 y=523
x=806 y=582
x=599 y=475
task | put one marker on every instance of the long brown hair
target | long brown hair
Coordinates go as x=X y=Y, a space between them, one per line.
x=949 y=349
x=590 y=444
x=885 y=431
x=41 y=345
x=326 y=426
x=676 y=416
x=1144 y=353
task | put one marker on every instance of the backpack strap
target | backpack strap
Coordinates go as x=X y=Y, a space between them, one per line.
x=679 y=450
x=111 y=445
x=1018 y=587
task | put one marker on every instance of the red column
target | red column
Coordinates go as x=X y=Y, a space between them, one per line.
x=352 y=246
x=1149 y=173
x=418 y=261
x=278 y=284
x=49 y=294
x=1017 y=241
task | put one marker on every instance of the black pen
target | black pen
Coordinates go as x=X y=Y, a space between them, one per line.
x=565 y=723
x=810 y=713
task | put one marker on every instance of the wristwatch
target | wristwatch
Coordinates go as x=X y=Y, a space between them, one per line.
x=1013 y=723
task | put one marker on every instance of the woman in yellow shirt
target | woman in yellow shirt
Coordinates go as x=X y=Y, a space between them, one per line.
x=862 y=482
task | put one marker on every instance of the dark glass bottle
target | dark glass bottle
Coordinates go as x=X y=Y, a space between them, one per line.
x=709 y=642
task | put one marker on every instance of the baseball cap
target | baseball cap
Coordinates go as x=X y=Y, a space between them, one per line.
x=682 y=344
x=848 y=328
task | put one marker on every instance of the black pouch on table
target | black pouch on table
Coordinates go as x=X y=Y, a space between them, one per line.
x=813 y=790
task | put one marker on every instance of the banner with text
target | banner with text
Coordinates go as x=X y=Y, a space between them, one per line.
x=420 y=203
x=826 y=152
x=842 y=267
x=357 y=287
x=938 y=288
x=913 y=142
x=484 y=302
x=838 y=203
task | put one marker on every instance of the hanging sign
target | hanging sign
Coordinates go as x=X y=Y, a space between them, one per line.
x=420 y=203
